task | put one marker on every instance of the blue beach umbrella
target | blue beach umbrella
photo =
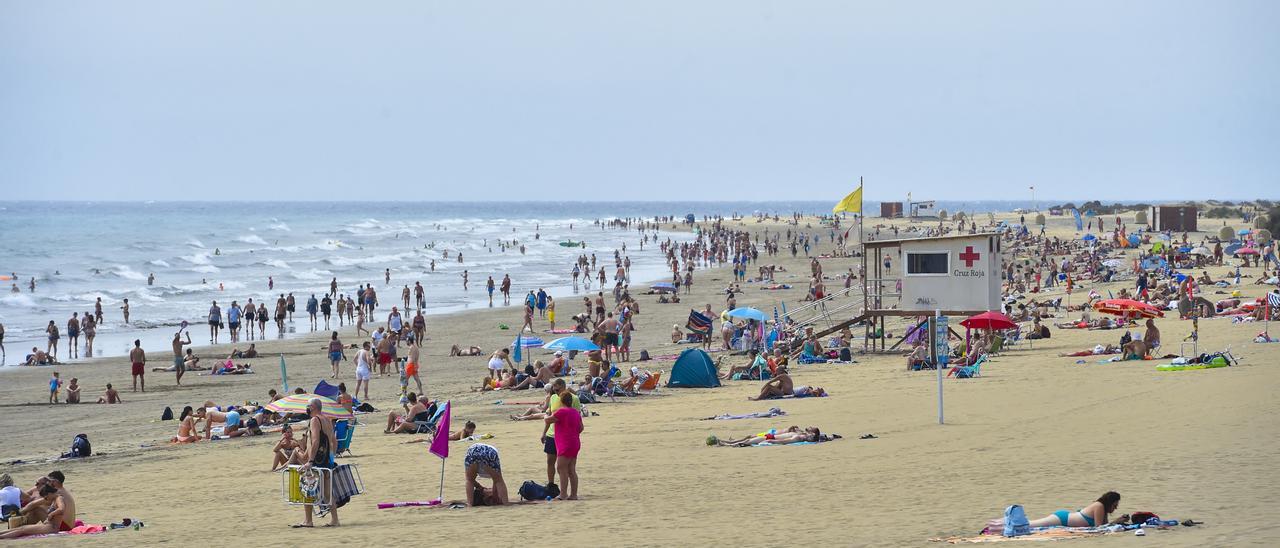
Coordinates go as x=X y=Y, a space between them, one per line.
x=748 y=313
x=1089 y=237
x=571 y=343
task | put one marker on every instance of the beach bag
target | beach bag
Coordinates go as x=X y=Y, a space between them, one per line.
x=80 y=447
x=1015 y=521
x=1139 y=518
x=167 y=415
x=532 y=490
x=644 y=355
x=846 y=355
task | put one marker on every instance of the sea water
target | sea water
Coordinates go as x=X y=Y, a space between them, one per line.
x=200 y=252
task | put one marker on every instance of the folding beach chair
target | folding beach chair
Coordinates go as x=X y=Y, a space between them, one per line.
x=651 y=384
x=345 y=431
x=968 y=371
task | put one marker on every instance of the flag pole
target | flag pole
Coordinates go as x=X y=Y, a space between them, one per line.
x=441 y=497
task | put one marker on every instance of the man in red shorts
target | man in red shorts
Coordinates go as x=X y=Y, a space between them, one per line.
x=139 y=359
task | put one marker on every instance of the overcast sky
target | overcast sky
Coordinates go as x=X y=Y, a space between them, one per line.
x=600 y=100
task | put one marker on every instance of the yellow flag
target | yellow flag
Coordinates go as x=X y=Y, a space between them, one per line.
x=851 y=203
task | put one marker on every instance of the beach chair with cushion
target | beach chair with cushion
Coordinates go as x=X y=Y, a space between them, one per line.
x=345 y=431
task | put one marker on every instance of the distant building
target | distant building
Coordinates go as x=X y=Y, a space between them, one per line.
x=891 y=210
x=1173 y=217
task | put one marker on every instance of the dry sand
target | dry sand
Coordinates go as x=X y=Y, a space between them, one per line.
x=1036 y=429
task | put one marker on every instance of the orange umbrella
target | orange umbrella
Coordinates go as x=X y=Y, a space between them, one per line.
x=1128 y=308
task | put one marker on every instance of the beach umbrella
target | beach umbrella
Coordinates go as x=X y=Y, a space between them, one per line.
x=1202 y=251
x=1246 y=251
x=1089 y=237
x=1128 y=308
x=297 y=403
x=571 y=343
x=1243 y=231
x=529 y=342
x=748 y=313
x=1231 y=249
x=1113 y=263
x=988 y=320
x=664 y=287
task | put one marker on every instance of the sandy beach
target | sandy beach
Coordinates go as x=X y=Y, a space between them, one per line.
x=1035 y=429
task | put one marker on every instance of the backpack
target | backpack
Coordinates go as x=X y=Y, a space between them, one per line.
x=532 y=490
x=644 y=355
x=1015 y=521
x=80 y=447
x=1126 y=338
x=167 y=415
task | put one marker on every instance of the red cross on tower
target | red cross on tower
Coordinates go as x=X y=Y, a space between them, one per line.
x=969 y=256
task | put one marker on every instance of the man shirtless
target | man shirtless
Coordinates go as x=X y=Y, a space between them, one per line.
x=59 y=517
x=179 y=364
x=411 y=364
x=73 y=334
x=139 y=359
x=782 y=386
x=110 y=396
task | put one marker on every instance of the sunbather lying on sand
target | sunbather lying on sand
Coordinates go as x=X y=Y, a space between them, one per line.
x=1095 y=351
x=791 y=435
x=470 y=351
x=1093 y=515
x=782 y=386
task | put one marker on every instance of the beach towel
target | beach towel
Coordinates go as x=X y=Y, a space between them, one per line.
x=773 y=412
x=699 y=323
x=560 y=331
x=1044 y=534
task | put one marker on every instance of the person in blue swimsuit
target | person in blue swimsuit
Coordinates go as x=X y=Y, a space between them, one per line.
x=1093 y=515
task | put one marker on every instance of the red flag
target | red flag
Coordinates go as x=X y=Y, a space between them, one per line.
x=440 y=443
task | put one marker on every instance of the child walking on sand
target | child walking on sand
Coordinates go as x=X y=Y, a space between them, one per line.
x=55 y=383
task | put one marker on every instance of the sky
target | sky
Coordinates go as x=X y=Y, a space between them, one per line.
x=654 y=100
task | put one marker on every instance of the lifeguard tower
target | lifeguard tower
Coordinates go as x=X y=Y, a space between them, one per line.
x=957 y=275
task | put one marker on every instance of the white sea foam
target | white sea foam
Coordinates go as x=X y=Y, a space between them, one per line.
x=276 y=263
x=126 y=272
x=159 y=262
x=206 y=269
x=252 y=239
x=198 y=258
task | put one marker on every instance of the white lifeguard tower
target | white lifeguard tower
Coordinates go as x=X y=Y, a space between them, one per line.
x=956 y=275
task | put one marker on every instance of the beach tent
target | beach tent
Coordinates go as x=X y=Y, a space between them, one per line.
x=693 y=369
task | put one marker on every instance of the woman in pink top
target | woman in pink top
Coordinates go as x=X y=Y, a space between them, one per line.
x=568 y=421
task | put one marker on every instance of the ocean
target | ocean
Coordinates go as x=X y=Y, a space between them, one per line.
x=205 y=251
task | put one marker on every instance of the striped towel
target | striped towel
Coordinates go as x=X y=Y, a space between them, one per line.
x=344 y=485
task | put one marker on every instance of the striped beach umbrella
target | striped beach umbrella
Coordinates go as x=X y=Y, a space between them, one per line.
x=297 y=403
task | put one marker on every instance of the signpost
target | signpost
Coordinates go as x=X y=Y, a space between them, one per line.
x=941 y=352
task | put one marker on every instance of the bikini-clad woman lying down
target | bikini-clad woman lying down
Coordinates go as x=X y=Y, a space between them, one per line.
x=1093 y=515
